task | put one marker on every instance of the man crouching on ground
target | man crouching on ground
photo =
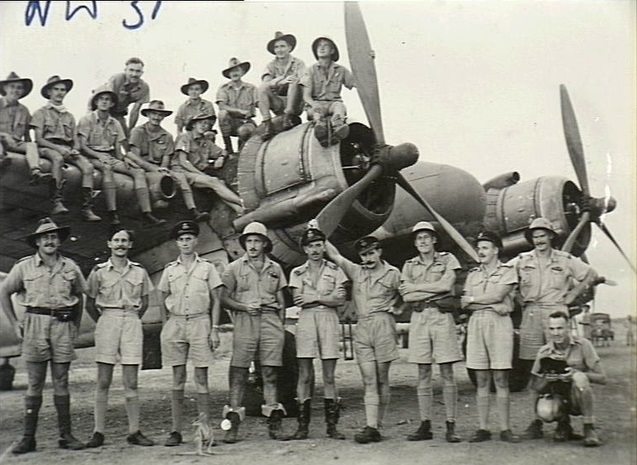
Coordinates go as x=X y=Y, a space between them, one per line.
x=570 y=383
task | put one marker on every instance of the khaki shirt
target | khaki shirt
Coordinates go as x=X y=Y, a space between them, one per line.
x=327 y=86
x=100 y=136
x=415 y=271
x=54 y=124
x=244 y=96
x=14 y=119
x=153 y=146
x=580 y=355
x=480 y=282
x=127 y=92
x=373 y=291
x=330 y=281
x=123 y=290
x=198 y=149
x=189 y=109
x=549 y=282
x=38 y=285
x=248 y=286
x=274 y=69
x=189 y=289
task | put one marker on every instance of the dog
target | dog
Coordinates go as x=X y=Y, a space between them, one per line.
x=204 y=435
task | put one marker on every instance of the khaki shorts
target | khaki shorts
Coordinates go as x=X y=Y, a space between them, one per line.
x=489 y=341
x=375 y=338
x=46 y=338
x=187 y=337
x=119 y=337
x=534 y=328
x=317 y=334
x=257 y=337
x=432 y=337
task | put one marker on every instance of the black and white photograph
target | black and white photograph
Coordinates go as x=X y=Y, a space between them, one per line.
x=352 y=232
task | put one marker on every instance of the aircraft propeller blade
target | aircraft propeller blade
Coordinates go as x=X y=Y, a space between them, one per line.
x=570 y=240
x=361 y=58
x=573 y=140
x=606 y=231
x=332 y=214
x=449 y=229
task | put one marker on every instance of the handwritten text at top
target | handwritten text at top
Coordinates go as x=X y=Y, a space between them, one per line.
x=37 y=12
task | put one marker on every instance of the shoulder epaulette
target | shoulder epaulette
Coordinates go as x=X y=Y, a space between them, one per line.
x=174 y=262
x=100 y=265
x=25 y=258
x=136 y=264
x=561 y=253
x=475 y=268
x=332 y=266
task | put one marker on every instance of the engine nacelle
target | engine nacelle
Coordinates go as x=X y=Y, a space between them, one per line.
x=287 y=180
x=510 y=211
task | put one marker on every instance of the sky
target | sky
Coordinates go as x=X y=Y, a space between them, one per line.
x=474 y=84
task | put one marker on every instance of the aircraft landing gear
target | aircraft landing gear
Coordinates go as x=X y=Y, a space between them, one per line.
x=7 y=374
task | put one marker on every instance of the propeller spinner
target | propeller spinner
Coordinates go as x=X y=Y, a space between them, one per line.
x=387 y=160
x=592 y=209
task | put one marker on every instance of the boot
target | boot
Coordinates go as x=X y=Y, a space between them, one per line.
x=198 y=216
x=228 y=143
x=55 y=191
x=590 y=435
x=534 y=430
x=274 y=426
x=451 y=435
x=87 y=206
x=339 y=132
x=231 y=434
x=27 y=443
x=305 y=409
x=38 y=177
x=422 y=433
x=321 y=133
x=63 y=407
x=332 y=414
x=564 y=431
x=269 y=130
x=115 y=221
x=367 y=435
x=151 y=220
x=289 y=121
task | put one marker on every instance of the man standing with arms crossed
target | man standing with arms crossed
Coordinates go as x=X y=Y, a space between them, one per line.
x=50 y=286
x=427 y=281
x=546 y=278
x=375 y=293
x=118 y=291
x=253 y=289
x=488 y=296
x=318 y=287
x=189 y=289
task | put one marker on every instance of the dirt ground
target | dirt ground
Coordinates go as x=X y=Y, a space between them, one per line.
x=616 y=417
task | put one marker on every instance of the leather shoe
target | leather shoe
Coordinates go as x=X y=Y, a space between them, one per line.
x=174 y=439
x=422 y=433
x=25 y=445
x=508 y=436
x=67 y=441
x=534 y=430
x=139 y=439
x=367 y=435
x=96 y=440
x=480 y=436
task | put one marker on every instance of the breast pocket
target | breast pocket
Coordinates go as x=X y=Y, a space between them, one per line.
x=243 y=282
x=387 y=287
x=133 y=286
x=271 y=282
x=64 y=282
x=35 y=283
x=199 y=281
x=328 y=284
x=526 y=275
x=559 y=277
x=68 y=129
x=436 y=271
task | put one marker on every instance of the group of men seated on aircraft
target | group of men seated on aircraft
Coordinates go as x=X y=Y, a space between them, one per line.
x=104 y=140
x=253 y=287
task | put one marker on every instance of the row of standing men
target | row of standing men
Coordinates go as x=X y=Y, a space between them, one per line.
x=105 y=141
x=252 y=287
